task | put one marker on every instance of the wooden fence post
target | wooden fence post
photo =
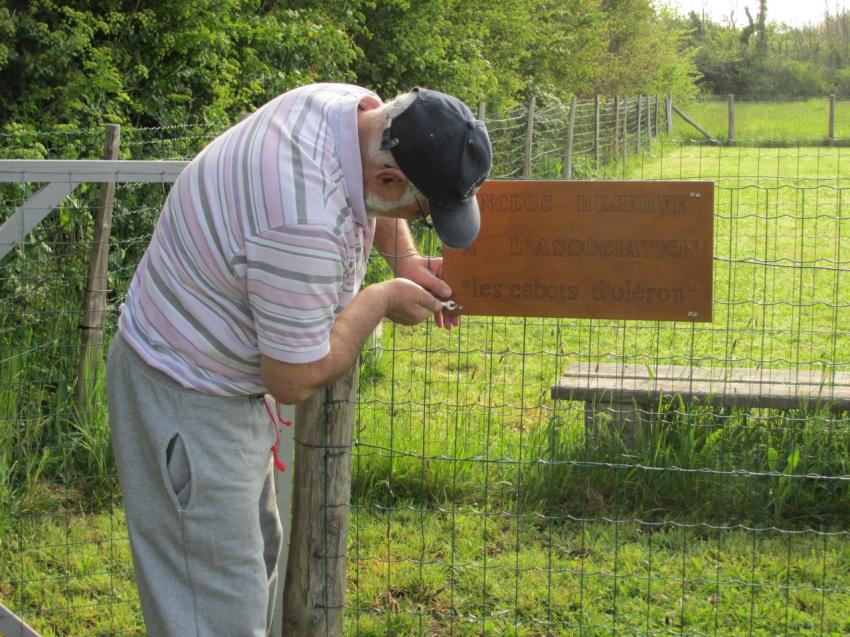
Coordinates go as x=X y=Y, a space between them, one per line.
x=625 y=130
x=831 y=130
x=639 y=123
x=685 y=117
x=529 y=139
x=730 y=136
x=648 y=123
x=314 y=594
x=669 y=108
x=616 y=127
x=568 y=151
x=596 y=126
x=656 y=129
x=97 y=284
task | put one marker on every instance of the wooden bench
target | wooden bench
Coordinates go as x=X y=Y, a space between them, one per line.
x=625 y=395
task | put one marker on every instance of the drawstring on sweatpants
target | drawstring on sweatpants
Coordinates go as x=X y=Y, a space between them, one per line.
x=276 y=420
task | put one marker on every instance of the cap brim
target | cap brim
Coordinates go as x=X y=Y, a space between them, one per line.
x=457 y=225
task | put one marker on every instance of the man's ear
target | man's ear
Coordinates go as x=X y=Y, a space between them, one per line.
x=369 y=103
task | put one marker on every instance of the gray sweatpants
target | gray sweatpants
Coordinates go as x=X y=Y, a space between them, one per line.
x=198 y=485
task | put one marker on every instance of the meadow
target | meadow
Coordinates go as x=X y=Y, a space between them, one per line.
x=767 y=123
x=480 y=505
x=476 y=495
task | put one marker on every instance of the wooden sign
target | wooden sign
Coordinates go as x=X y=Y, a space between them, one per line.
x=588 y=249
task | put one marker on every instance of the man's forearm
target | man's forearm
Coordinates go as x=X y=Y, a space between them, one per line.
x=400 y=300
x=291 y=383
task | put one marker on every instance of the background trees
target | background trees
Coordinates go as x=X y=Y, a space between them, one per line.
x=161 y=62
x=768 y=60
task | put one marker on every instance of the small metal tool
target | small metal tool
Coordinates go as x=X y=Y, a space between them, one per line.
x=451 y=306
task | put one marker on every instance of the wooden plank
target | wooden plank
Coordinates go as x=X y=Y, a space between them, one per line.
x=592 y=249
x=13 y=626
x=33 y=210
x=707 y=135
x=283 y=493
x=745 y=388
x=90 y=170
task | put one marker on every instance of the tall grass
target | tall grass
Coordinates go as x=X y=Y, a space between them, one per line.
x=698 y=465
x=776 y=123
x=50 y=451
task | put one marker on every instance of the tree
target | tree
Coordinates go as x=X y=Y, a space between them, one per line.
x=161 y=62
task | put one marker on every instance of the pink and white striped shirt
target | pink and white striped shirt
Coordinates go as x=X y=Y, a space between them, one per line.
x=262 y=242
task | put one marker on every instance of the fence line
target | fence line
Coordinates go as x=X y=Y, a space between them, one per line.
x=477 y=504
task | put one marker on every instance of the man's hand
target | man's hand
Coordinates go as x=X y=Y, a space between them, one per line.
x=407 y=303
x=428 y=272
x=400 y=300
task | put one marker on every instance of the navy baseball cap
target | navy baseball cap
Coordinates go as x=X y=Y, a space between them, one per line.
x=440 y=146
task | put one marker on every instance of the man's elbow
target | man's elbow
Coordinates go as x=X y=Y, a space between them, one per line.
x=291 y=394
x=291 y=383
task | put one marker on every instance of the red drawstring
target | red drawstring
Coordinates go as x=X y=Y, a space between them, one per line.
x=288 y=423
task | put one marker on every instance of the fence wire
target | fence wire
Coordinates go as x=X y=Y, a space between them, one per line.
x=480 y=504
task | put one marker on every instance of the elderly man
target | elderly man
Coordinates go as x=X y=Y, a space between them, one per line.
x=250 y=286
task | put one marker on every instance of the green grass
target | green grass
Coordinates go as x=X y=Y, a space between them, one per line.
x=467 y=571
x=70 y=573
x=448 y=417
x=479 y=504
x=780 y=123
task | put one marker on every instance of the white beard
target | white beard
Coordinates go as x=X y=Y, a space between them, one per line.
x=375 y=204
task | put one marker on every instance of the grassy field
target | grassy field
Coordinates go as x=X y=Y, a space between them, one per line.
x=443 y=411
x=460 y=572
x=779 y=123
x=479 y=505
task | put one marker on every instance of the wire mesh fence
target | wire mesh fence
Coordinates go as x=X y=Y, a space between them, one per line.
x=480 y=503
x=775 y=122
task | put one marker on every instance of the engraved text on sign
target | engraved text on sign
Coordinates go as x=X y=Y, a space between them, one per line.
x=590 y=249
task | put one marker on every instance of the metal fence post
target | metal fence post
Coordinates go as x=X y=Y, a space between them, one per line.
x=94 y=300
x=529 y=139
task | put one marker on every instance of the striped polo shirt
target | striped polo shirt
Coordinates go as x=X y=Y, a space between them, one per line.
x=262 y=242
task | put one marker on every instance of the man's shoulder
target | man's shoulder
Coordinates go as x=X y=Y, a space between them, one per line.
x=336 y=89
